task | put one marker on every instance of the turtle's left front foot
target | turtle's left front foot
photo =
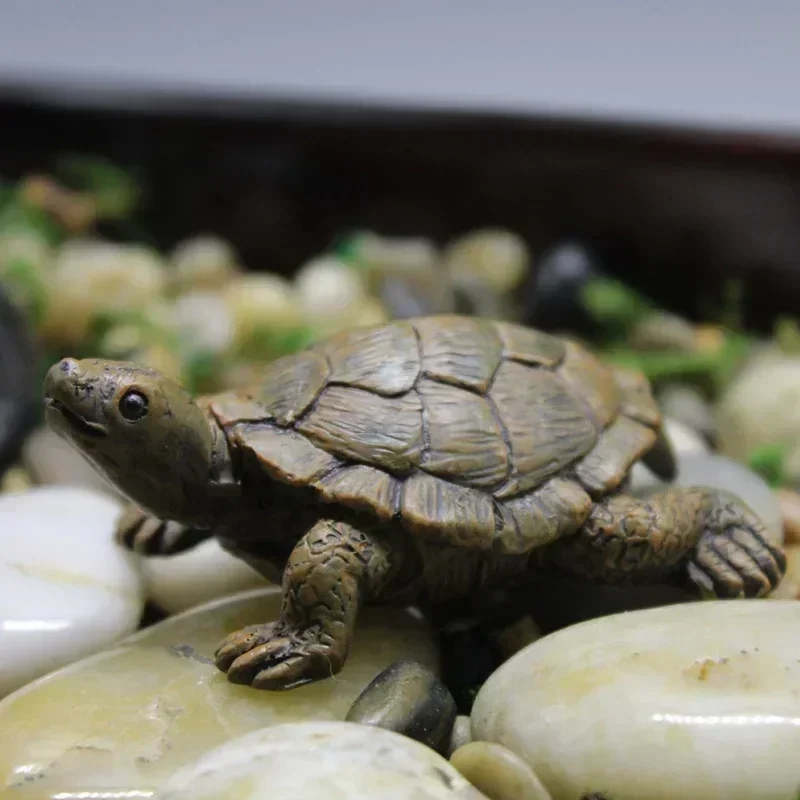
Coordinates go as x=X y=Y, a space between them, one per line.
x=277 y=657
x=332 y=569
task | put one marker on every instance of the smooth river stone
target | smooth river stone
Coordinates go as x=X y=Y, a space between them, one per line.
x=685 y=443
x=66 y=589
x=408 y=698
x=204 y=573
x=696 y=701
x=124 y=720
x=497 y=772
x=315 y=760
x=761 y=407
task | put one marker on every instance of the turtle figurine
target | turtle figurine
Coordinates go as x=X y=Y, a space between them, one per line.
x=420 y=462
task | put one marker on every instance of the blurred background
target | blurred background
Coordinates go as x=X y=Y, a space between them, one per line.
x=206 y=187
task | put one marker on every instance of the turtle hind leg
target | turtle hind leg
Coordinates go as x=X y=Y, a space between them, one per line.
x=332 y=570
x=142 y=533
x=709 y=536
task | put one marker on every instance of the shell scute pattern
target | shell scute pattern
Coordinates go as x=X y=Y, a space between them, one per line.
x=474 y=433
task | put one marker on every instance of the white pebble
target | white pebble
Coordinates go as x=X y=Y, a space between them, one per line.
x=92 y=276
x=66 y=589
x=310 y=760
x=328 y=290
x=262 y=301
x=762 y=408
x=684 y=441
x=51 y=459
x=203 y=262
x=204 y=321
x=698 y=700
x=203 y=573
x=498 y=258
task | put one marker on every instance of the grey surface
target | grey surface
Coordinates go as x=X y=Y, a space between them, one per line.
x=715 y=63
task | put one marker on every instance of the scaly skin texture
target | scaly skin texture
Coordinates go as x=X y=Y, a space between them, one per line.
x=721 y=542
x=333 y=570
x=188 y=477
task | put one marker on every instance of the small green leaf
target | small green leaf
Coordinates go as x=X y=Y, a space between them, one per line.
x=114 y=191
x=292 y=340
x=104 y=321
x=348 y=250
x=613 y=305
x=26 y=287
x=266 y=344
x=201 y=370
x=17 y=216
x=713 y=370
x=769 y=461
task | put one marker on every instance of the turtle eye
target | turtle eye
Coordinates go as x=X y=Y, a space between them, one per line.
x=133 y=406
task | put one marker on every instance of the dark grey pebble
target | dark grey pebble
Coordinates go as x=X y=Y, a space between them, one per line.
x=408 y=698
x=19 y=401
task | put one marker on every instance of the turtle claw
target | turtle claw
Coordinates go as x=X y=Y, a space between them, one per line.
x=738 y=563
x=275 y=658
x=240 y=642
x=147 y=535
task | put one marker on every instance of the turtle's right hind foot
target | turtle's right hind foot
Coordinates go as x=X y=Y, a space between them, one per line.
x=734 y=557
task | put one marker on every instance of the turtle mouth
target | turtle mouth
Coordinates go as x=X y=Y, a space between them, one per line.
x=78 y=423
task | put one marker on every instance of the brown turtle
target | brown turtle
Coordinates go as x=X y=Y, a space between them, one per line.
x=416 y=462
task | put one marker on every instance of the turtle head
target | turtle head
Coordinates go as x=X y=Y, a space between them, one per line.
x=141 y=430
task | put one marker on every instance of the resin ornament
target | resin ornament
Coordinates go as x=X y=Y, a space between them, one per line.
x=417 y=462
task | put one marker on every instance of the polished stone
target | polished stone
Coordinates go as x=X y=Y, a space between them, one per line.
x=497 y=772
x=66 y=589
x=408 y=698
x=126 y=719
x=320 y=760
x=699 y=701
x=188 y=579
x=761 y=408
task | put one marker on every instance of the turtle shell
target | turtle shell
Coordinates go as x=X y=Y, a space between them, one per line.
x=467 y=432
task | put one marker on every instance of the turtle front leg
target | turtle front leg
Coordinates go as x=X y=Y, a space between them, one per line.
x=712 y=536
x=142 y=533
x=332 y=570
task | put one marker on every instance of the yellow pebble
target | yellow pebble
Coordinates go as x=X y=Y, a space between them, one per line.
x=497 y=772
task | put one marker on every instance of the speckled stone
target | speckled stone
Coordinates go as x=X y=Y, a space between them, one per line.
x=128 y=718
x=696 y=701
x=497 y=772
x=316 y=760
x=408 y=698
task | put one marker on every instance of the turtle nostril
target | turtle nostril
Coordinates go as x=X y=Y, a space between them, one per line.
x=68 y=366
